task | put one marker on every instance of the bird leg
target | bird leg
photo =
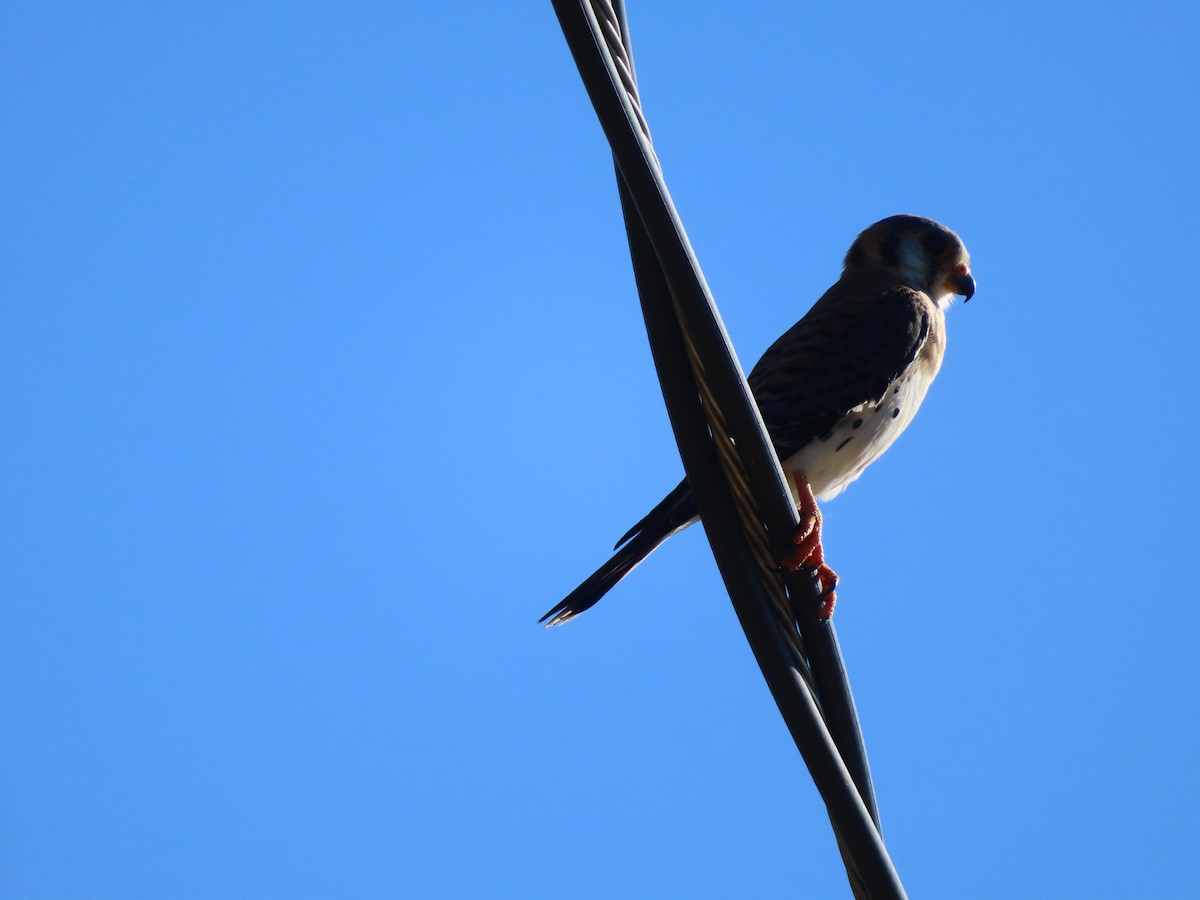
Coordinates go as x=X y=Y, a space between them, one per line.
x=808 y=552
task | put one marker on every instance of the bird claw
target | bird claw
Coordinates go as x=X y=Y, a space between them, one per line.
x=808 y=552
x=829 y=580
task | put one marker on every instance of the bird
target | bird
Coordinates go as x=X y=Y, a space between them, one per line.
x=835 y=390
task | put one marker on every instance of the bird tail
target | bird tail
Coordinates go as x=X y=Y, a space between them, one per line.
x=676 y=511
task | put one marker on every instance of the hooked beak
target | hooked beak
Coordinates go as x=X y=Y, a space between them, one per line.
x=963 y=284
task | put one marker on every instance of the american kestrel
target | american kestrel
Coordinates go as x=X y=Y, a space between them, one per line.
x=835 y=390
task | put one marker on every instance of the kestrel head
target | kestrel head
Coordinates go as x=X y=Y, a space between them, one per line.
x=922 y=253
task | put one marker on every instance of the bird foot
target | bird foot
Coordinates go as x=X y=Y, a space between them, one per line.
x=808 y=552
x=825 y=575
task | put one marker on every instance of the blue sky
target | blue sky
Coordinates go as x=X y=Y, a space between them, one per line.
x=323 y=377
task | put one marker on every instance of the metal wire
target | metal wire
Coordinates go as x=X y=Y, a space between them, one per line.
x=615 y=29
x=752 y=522
x=745 y=505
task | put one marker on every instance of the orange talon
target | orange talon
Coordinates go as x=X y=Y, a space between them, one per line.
x=829 y=582
x=808 y=552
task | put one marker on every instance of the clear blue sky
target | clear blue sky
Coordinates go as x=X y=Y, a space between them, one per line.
x=323 y=377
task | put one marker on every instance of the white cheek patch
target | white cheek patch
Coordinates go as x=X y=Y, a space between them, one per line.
x=912 y=264
x=944 y=301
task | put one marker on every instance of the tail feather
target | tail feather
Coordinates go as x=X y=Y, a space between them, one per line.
x=601 y=581
x=676 y=511
x=673 y=512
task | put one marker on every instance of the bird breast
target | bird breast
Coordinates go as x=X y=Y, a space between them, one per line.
x=832 y=461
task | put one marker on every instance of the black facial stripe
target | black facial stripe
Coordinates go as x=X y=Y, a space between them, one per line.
x=889 y=252
x=936 y=243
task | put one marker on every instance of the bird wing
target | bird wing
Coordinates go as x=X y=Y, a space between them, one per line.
x=845 y=352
